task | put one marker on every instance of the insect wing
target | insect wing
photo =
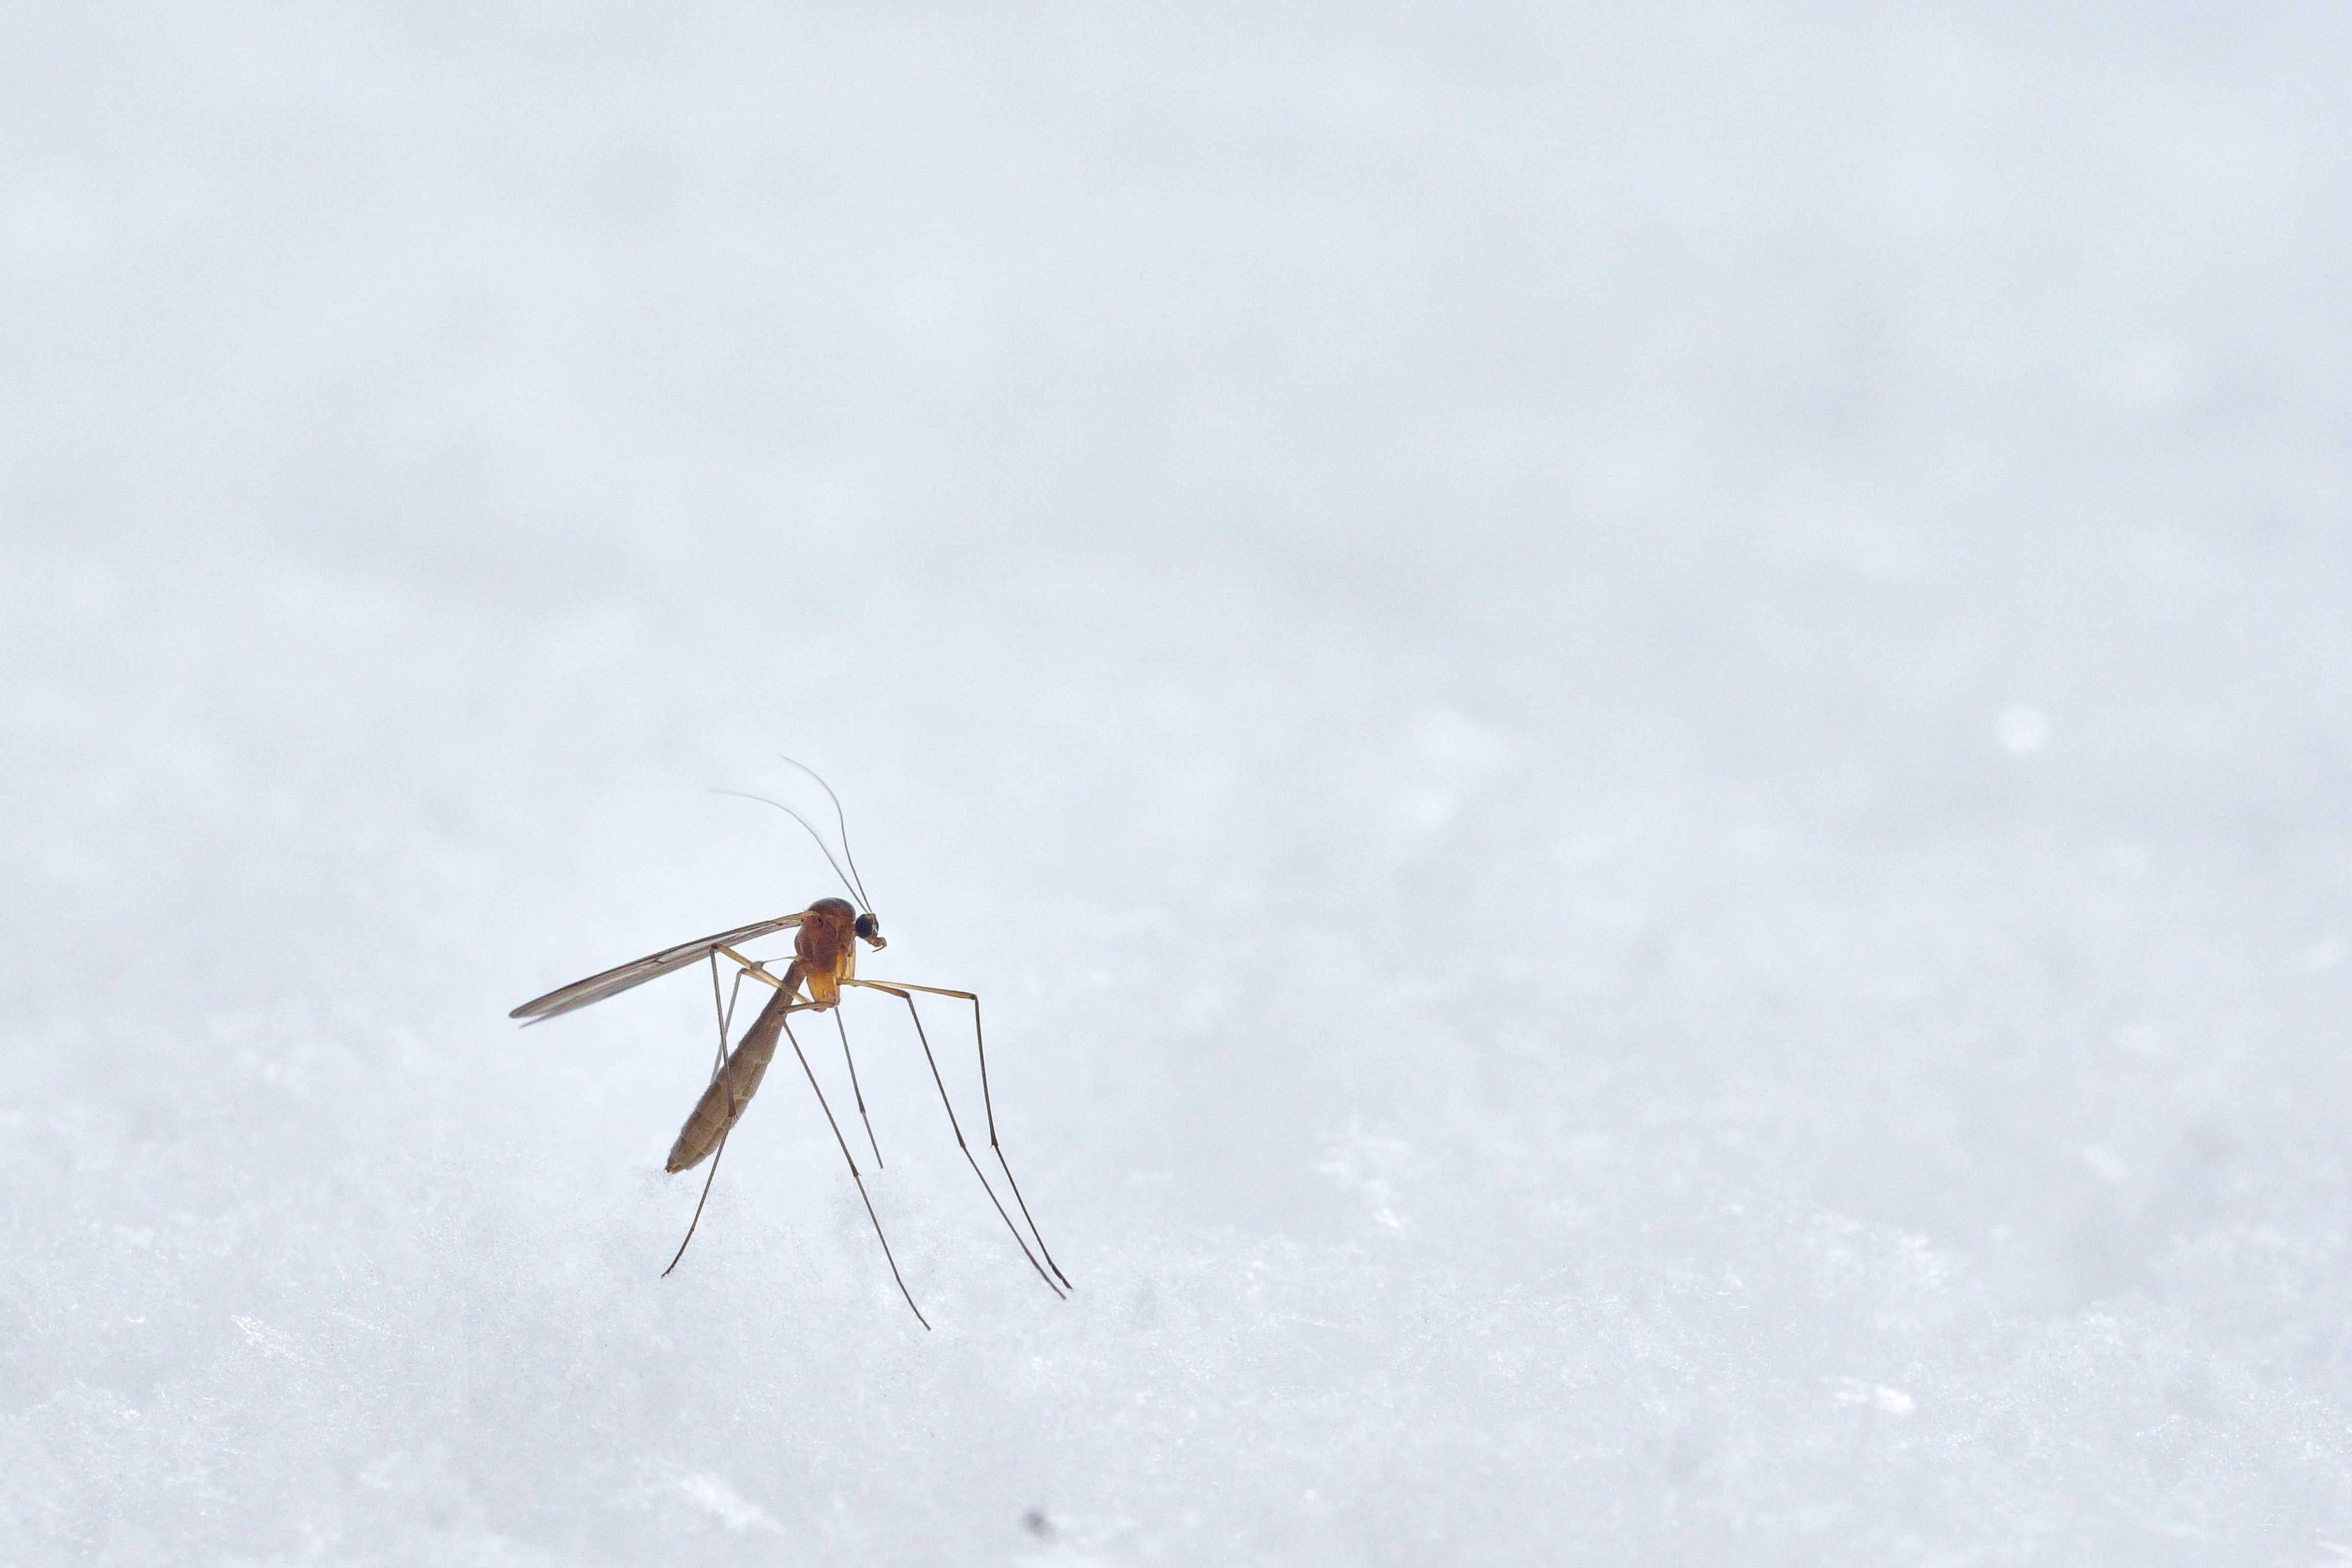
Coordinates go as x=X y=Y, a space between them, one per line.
x=612 y=981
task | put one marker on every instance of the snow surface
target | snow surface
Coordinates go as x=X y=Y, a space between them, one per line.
x=1640 y=718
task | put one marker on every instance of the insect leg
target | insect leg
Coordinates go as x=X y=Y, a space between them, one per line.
x=726 y=1016
x=854 y=1089
x=854 y=1176
x=716 y=1155
x=734 y=1108
x=963 y=1148
x=980 y=1040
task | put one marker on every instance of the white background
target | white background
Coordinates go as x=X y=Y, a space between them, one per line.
x=1639 y=717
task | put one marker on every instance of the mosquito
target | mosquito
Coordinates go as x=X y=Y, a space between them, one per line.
x=825 y=962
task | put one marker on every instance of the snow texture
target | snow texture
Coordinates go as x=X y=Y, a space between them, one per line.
x=1640 y=718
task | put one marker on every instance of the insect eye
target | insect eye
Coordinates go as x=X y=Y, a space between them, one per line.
x=868 y=926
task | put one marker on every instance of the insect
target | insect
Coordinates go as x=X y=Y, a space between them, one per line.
x=825 y=962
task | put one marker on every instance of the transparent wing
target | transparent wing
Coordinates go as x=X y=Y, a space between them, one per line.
x=612 y=981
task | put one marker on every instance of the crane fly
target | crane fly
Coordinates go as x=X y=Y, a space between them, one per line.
x=825 y=962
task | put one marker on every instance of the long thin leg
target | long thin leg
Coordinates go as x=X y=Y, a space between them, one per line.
x=754 y=970
x=963 y=1148
x=751 y=967
x=716 y=1155
x=854 y=1176
x=855 y=1091
x=980 y=1039
x=726 y=1016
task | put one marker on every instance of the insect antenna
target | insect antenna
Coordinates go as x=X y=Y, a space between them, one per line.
x=813 y=833
x=841 y=820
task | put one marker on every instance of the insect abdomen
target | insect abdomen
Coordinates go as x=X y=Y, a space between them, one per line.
x=736 y=1082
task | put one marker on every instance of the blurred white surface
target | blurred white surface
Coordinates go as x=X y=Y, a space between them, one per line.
x=1640 y=723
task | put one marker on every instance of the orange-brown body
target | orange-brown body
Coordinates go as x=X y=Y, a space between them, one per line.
x=824 y=961
x=825 y=954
